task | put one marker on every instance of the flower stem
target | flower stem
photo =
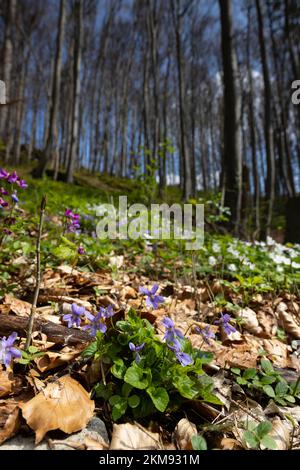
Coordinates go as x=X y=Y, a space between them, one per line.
x=38 y=274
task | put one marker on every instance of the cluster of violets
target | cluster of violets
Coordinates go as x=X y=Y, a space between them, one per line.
x=10 y=179
x=73 y=226
x=97 y=322
x=172 y=336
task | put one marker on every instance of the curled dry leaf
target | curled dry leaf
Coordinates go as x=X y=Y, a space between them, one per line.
x=280 y=433
x=6 y=383
x=17 y=306
x=51 y=360
x=9 y=419
x=183 y=434
x=63 y=404
x=287 y=320
x=133 y=437
x=250 y=321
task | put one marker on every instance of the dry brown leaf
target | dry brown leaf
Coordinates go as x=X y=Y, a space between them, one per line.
x=287 y=320
x=6 y=383
x=250 y=321
x=230 y=444
x=51 y=360
x=183 y=434
x=133 y=437
x=63 y=404
x=280 y=433
x=9 y=419
x=93 y=444
x=278 y=350
x=17 y=306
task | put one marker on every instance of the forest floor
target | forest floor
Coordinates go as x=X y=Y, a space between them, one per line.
x=140 y=343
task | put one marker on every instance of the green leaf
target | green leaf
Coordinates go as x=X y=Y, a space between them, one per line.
x=23 y=361
x=159 y=396
x=32 y=349
x=119 y=409
x=269 y=442
x=249 y=374
x=198 y=443
x=251 y=439
x=241 y=381
x=118 y=369
x=104 y=391
x=267 y=366
x=137 y=377
x=236 y=371
x=289 y=398
x=269 y=391
x=115 y=399
x=90 y=350
x=185 y=386
x=126 y=389
x=267 y=380
x=281 y=389
x=134 y=401
x=64 y=252
x=263 y=428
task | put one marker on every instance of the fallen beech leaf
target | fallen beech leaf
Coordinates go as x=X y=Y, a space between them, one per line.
x=183 y=434
x=63 y=405
x=288 y=322
x=93 y=444
x=17 y=306
x=132 y=437
x=50 y=360
x=5 y=383
x=9 y=419
x=280 y=433
x=250 y=321
x=230 y=444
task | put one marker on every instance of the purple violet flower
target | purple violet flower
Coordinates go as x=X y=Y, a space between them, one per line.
x=171 y=332
x=80 y=250
x=152 y=300
x=184 y=359
x=96 y=323
x=15 y=198
x=3 y=192
x=75 y=315
x=13 y=178
x=3 y=174
x=224 y=323
x=206 y=333
x=136 y=349
x=22 y=183
x=7 y=351
x=3 y=203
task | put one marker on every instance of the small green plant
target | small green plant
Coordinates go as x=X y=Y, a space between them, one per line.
x=142 y=374
x=257 y=436
x=30 y=355
x=268 y=381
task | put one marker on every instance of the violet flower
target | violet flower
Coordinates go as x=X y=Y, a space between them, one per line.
x=184 y=358
x=206 y=333
x=15 y=198
x=171 y=332
x=80 y=250
x=7 y=351
x=152 y=300
x=224 y=323
x=97 y=322
x=3 y=174
x=75 y=315
x=22 y=183
x=136 y=349
x=13 y=178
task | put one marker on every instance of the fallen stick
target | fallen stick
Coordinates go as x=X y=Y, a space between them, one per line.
x=55 y=333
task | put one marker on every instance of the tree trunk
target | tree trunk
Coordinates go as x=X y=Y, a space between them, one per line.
x=232 y=155
x=76 y=90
